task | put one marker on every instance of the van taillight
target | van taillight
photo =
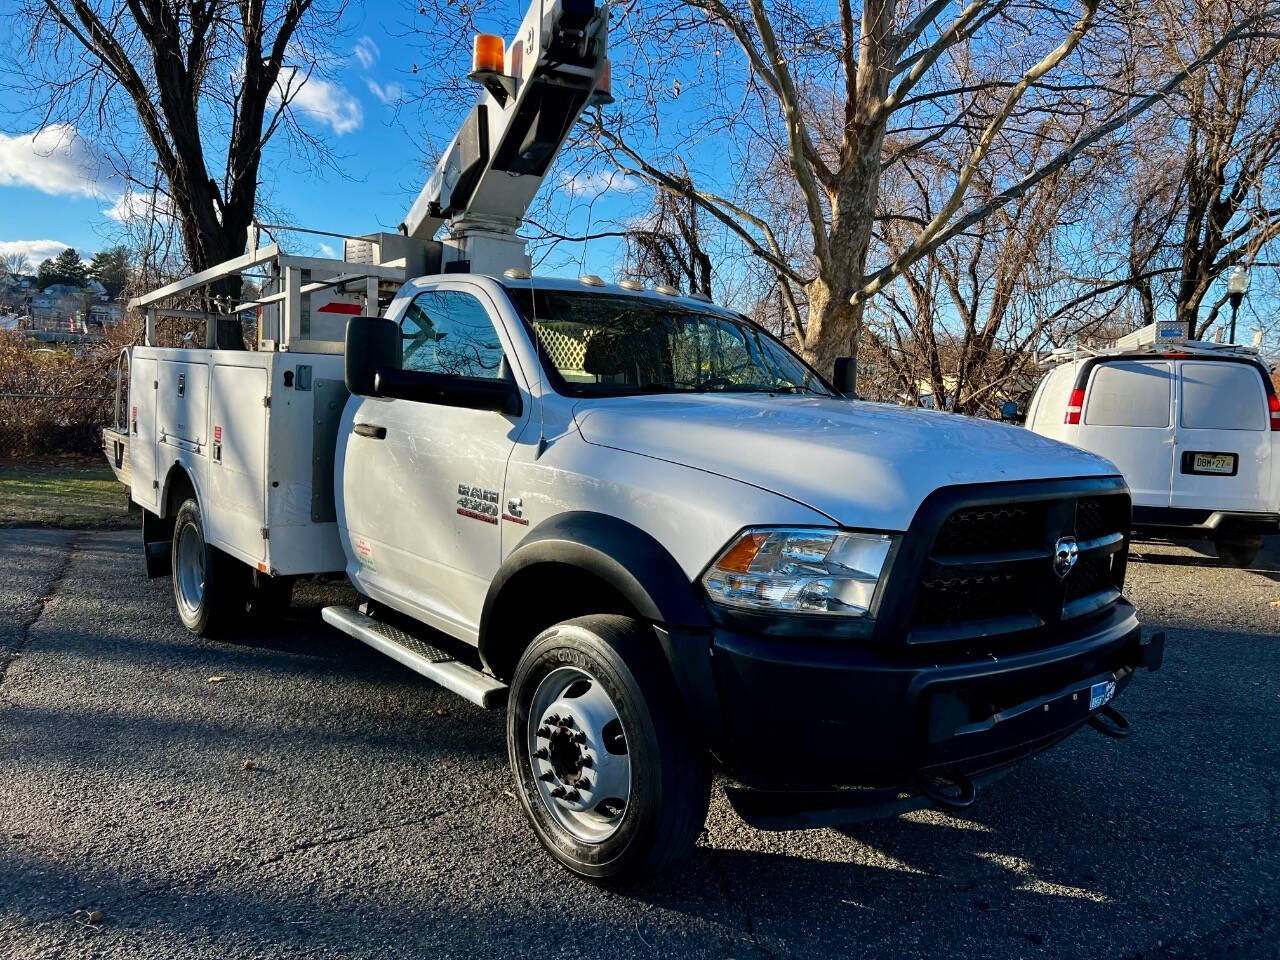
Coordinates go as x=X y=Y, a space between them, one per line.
x=1273 y=406
x=1076 y=404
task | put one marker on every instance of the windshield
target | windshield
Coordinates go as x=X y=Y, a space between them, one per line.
x=599 y=344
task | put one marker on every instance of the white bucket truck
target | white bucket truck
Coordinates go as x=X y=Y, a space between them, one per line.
x=632 y=518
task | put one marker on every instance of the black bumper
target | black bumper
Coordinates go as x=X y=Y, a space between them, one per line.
x=806 y=717
x=1179 y=521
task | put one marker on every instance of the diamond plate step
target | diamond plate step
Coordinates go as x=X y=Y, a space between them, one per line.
x=419 y=656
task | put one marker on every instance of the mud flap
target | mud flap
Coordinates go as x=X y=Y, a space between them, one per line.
x=157 y=545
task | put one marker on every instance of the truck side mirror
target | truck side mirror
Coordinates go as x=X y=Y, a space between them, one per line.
x=372 y=343
x=845 y=377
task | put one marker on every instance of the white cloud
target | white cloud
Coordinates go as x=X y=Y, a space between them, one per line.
x=599 y=181
x=322 y=101
x=326 y=250
x=36 y=250
x=55 y=160
x=131 y=206
x=389 y=94
x=367 y=51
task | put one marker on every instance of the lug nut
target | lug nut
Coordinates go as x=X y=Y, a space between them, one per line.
x=544 y=733
x=546 y=777
x=553 y=718
x=587 y=762
x=558 y=792
x=541 y=753
x=567 y=720
x=584 y=784
x=579 y=737
x=572 y=796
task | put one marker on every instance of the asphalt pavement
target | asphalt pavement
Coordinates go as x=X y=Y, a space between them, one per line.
x=292 y=794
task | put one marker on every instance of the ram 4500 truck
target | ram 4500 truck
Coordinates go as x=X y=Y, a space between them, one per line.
x=633 y=518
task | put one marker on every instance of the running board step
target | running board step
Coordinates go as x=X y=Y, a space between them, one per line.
x=434 y=664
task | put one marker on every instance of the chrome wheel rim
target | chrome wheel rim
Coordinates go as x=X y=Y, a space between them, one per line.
x=190 y=570
x=579 y=755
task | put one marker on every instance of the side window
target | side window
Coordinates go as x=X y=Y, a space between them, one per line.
x=1223 y=396
x=449 y=331
x=1129 y=394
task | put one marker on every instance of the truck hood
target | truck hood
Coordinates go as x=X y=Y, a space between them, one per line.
x=862 y=464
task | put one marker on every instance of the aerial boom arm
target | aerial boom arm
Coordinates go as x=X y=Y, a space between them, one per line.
x=492 y=169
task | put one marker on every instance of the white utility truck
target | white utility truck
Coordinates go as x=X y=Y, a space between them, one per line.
x=633 y=518
x=1194 y=426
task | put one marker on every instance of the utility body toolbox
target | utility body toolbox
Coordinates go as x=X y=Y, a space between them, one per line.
x=255 y=434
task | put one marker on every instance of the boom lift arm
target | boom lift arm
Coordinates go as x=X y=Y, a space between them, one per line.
x=533 y=93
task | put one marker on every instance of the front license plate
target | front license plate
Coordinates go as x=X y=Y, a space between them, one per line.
x=1216 y=463
x=1100 y=694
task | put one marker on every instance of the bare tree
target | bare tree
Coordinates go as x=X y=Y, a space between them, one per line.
x=177 y=82
x=909 y=82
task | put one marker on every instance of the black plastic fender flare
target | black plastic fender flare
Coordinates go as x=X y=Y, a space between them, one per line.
x=645 y=574
x=619 y=553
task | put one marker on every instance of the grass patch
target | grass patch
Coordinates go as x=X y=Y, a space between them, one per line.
x=64 y=493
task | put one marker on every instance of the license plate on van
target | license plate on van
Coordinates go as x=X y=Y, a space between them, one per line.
x=1223 y=464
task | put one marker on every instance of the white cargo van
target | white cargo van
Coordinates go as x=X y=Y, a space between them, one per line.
x=1194 y=427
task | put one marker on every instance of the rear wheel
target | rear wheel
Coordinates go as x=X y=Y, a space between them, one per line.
x=1238 y=551
x=606 y=764
x=200 y=574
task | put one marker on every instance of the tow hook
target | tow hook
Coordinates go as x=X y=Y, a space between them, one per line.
x=1110 y=721
x=951 y=789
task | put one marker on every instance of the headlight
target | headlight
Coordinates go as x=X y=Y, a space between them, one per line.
x=800 y=571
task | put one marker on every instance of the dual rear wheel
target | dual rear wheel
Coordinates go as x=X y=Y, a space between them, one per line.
x=212 y=590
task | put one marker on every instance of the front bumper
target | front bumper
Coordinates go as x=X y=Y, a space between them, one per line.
x=808 y=717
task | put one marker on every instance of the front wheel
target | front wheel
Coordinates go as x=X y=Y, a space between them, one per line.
x=607 y=766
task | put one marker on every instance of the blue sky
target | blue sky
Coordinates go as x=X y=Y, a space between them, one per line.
x=52 y=196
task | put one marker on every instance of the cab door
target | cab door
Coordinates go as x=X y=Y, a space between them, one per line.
x=423 y=482
x=1223 y=455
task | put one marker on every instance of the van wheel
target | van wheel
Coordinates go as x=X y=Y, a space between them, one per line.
x=1238 y=552
x=201 y=574
x=606 y=764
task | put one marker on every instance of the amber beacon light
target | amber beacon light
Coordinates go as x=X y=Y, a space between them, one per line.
x=487 y=53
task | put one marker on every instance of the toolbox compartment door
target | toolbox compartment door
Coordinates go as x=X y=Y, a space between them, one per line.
x=237 y=460
x=142 y=433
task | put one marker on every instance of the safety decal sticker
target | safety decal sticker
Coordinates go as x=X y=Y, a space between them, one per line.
x=364 y=554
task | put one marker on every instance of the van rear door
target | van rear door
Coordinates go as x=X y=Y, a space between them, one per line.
x=1128 y=418
x=1223 y=453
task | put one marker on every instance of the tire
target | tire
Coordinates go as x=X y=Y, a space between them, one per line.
x=203 y=577
x=601 y=663
x=1239 y=553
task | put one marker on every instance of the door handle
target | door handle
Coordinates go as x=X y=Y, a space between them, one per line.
x=371 y=430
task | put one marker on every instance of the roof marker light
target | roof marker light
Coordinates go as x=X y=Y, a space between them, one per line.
x=666 y=290
x=1074 y=406
x=631 y=285
x=591 y=280
x=516 y=273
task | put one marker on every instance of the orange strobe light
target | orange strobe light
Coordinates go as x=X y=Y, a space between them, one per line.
x=488 y=53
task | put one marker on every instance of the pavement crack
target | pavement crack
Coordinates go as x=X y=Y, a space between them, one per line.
x=48 y=591
x=726 y=887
